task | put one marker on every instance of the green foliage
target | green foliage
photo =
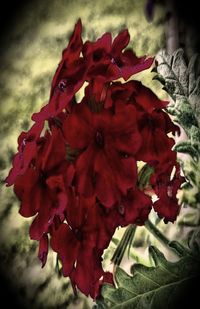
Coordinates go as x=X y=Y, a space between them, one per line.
x=188 y=148
x=144 y=176
x=125 y=243
x=157 y=287
x=182 y=81
x=182 y=84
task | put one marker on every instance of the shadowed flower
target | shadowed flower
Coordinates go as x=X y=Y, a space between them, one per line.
x=80 y=178
x=41 y=188
x=27 y=151
x=86 y=238
x=108 y=141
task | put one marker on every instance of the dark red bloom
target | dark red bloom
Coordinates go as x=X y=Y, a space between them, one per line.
x=41 y=188
x=69 y=56
x=108 y=60
x=166 y=186
x=101 y=60
x=68 y=78
x=85 y=239
x=43 y=249
x=27 y=150
x=135 y=207
x=108 y=142
x=79 y=179
x=154 y=125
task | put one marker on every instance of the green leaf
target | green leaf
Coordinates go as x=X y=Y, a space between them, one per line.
x=186 y=147
x=144 y=176
x=194 y=240
x=181 y=82
x=125 y=243
x=158 y=287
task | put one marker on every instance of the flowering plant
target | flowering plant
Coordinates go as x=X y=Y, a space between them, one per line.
x=76 y=168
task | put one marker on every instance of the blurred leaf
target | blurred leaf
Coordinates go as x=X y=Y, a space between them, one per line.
x=85 y=304
x=151 y=287
x=144 y=176
x=124 y=244
x=186 y=147
x=181 y=82
x=191 y=218
x=194 y=240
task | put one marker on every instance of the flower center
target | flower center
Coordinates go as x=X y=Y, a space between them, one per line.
x=99 y=139
x=62 y=85
x=42 y=179
x=78 y=234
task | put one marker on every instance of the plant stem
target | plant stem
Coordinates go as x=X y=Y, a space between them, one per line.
x=124 y=243
x=157 y=233
x=173 y=246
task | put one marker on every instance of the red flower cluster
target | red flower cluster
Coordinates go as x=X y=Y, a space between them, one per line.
x=79 y=178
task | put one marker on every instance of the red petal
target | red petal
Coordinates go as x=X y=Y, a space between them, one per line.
x=146 y=99
x=43 y=249
x=27 y=149
x=41 y=222
x=137 y=207
x=120 y=42
x=156 y=146
x=124 y=128
x=65 y=244
x=54 y=150
x=102 y=44
x=87 y=274
x=78 y=127
x=85 y=172
x=61 y=99
x=105 y=182
x=132 y=65
x=70 y=54
x=167 y=208
x=29 y=193
x=77 y=210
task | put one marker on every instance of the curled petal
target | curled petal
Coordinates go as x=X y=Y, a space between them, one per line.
x=27 y=190
x=137 y=207
x=120 y=42
x=78 y=127
x=43 y=249
x=64 y=242
x=27 y=150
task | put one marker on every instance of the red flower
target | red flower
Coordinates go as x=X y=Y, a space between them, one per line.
x=108 y=142
x=68 y=78
x=81 y=259
x=42 y=187
x=79 y=180
x=166 y=189
x=43 y=249
x=27 y=150
x=108 y=60
x=136 y=207
x=69 y=56
x=154 y=125
x=89 y=231
x=102 y=59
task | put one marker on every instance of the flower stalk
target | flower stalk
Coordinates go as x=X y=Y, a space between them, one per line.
x=125 y=242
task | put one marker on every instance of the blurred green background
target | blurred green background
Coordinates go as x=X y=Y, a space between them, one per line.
x=31 y=53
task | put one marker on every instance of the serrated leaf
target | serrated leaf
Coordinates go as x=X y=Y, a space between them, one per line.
x=186 y=147
x=182 y=82
x=152 y=287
